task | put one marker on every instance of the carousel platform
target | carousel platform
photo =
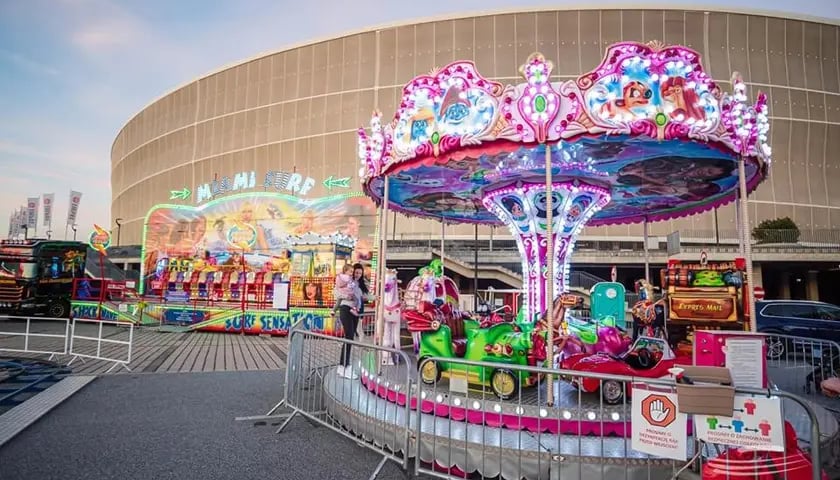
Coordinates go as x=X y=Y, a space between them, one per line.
x=490 y=451
x=573 y=412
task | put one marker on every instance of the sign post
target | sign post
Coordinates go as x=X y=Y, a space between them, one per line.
x=658 y=428
x=100 y=240
x=756 y=423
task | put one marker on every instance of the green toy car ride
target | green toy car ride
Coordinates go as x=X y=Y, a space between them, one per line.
x=447 y=333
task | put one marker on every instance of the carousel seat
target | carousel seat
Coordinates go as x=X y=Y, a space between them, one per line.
x=459 y=336
x=456 y=328
x=446 y=316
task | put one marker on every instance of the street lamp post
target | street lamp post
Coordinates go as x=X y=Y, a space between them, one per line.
x=25 y=231
x=118 y=221
x=74 y=231
x=49 y=234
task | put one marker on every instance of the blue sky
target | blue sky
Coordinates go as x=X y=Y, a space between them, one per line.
x=72 y=72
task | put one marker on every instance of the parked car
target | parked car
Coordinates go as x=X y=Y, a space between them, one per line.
x=798 y=318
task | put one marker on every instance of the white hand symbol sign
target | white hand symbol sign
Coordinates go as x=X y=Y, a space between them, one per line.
x=658 y=411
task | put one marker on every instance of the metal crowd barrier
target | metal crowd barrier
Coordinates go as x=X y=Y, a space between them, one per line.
x=317 y=383
x=523 y=437
x=800 y=364
x=461 y=430
x=42 y=335
x=101 y=346
x=575 y=437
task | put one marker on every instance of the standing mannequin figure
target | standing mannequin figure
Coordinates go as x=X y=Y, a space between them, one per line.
x=392 y=309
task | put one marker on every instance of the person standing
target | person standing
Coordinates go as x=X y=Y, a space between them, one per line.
x=359 y=278
x=361 y=281
x=348 y=315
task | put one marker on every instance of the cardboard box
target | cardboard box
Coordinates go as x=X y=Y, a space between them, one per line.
x=711 y=394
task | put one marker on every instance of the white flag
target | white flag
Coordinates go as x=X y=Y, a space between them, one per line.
x=32 y=212
x=21 y=220
x=48 y=206
x=73 y=211
x=18 y=219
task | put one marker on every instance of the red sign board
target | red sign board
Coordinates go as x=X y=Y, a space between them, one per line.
x=758 y=292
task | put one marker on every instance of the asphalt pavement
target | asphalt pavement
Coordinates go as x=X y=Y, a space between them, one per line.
x=181 y=426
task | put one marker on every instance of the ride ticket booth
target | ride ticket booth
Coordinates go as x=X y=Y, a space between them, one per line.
x=704 y=296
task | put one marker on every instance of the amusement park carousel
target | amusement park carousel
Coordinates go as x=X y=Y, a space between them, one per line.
x=646 y=136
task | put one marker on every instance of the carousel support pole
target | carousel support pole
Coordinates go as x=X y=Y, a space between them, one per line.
x=745 y=239
x=442 y=247
x=647 y=252
x=475 y=271
x=379 y=312
x=549 y=287
x=738 y=218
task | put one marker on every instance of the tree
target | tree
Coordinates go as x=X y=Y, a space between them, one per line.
x=779 y=230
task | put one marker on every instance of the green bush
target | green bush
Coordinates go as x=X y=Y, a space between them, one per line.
x=779 y=230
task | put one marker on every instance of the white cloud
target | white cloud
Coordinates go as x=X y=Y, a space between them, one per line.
x=67 y=158
x=28 y=63
x=101 y=36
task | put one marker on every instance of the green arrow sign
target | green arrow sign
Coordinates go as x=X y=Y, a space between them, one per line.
x=180 y=194
x=331 y=182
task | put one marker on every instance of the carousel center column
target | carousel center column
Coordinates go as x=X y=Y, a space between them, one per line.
x=523 y=208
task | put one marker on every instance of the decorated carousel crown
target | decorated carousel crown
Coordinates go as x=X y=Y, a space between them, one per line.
x=645 y=90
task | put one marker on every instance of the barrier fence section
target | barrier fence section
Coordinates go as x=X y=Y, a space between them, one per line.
x=799 y=364
x=492 y=420
x=322 y=378
x=88 y=340
x=42 y=335
x=587 y=436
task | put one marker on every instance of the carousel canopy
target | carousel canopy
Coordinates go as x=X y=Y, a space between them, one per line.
x=647 y=130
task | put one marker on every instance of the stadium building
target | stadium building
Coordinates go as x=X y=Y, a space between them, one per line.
x=288 y=121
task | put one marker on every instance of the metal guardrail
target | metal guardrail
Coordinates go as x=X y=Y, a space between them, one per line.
x=110 y=341
x=55 y=332
x=464 y=429
x=800 y=364
x=106 y=348
x=322 y=373
x=584 y=280
x=515 y=452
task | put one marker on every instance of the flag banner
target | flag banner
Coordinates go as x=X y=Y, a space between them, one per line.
x=32 y=212
x=73 y=211
x=17 y=222
x=48 y=198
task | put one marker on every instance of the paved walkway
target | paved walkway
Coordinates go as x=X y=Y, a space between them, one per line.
x=159 y=352
x=181 y=426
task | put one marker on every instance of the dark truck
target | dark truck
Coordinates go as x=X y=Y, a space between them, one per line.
x=36 y=276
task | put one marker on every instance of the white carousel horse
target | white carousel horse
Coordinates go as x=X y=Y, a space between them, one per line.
x=392 y=310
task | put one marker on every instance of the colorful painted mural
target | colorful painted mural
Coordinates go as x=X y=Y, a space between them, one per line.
x=255 y=232
x=209 y=319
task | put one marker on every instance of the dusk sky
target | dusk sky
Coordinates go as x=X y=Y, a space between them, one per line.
x=72 y=72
